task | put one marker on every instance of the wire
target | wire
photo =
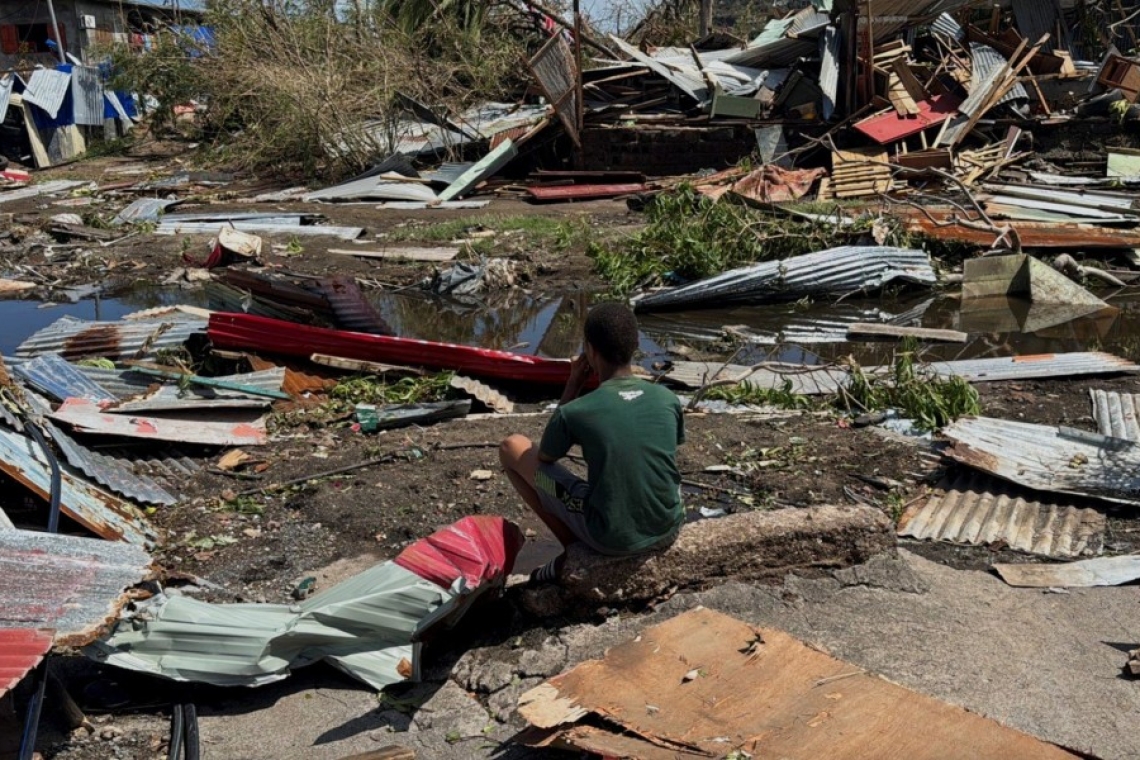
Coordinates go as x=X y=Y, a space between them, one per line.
x=176 y=733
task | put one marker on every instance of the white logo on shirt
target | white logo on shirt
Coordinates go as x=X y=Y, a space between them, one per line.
x=631 y=395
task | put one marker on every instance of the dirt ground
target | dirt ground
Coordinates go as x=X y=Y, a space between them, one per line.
x=936 y=620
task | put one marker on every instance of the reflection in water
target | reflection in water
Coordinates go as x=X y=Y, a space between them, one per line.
x=550 y=325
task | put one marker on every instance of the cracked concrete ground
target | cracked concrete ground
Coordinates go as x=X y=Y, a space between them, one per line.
x=1046 y=663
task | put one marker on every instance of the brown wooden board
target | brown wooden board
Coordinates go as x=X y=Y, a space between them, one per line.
x=704 y=684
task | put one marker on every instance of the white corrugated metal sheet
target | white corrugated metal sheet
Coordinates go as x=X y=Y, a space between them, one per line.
x=1117 y=414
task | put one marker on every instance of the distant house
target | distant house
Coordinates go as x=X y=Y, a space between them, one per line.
x=27 y=37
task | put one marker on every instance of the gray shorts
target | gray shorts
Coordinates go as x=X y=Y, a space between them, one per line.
x=564 y=495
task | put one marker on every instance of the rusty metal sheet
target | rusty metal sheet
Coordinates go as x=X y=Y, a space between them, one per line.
x=21 y=650
x=582 y=192
x=1117 y=414
x=75 y=339
x=298 y=382
x=1046 y=458
x=941 y=226
x=70 y=584
x=650 y=698
x=977 y=510
x=102 y=513
x=87 y=417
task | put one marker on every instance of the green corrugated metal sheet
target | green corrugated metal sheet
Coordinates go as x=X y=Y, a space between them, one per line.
x=1123 y=163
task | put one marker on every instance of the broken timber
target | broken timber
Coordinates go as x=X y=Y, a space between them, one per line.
x=873 y=330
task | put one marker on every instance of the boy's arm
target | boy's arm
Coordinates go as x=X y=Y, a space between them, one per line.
x=579 y=371
x=556 y=439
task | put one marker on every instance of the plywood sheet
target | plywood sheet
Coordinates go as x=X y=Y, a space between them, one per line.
x=704 y=685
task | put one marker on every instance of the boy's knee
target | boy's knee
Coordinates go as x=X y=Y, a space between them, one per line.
x=512 y=448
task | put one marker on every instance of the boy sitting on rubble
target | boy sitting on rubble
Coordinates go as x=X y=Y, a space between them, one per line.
x=629 y=430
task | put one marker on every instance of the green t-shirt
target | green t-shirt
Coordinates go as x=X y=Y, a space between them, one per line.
x=629 y=430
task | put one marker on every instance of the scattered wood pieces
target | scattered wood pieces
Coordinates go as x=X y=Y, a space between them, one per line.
x=872 y=330
x=401 y=254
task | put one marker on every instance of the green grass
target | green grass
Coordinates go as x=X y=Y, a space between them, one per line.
x=557 y=234
x=747 y=393
x=366 y=389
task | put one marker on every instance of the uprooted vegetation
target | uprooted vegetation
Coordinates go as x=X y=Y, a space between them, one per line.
x=908 y=388
x=316 y=87
x=689 y=236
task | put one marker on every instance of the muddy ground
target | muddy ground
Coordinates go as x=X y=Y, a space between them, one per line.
x=247 y=537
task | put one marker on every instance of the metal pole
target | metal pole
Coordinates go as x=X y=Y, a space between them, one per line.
x=58 y=38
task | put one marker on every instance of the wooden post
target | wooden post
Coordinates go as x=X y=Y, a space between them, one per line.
x=706 y=17
x=580 y=106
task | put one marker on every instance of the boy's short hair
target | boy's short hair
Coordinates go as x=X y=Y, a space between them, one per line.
x=611 y=329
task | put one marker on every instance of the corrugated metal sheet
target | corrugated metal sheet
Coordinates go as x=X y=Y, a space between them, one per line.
x=977 y=510
x=353 y=311
x=687 y=80
x=445 y=174
x=86 y=417
x=74 y=338
x=987 y=65
x=375 y=188
x=369 y=626
x=211 y=228
x=828 y=380
x=834 y=271
x=1046 y=458
x=21 y=650
x=43 y=188
x=102 y=513
x=1117 y=414
x=1037 y=18
x=779 y=53
x=484 y=169
x=47 y=89
x=554 y=68
x=87 y=95
x=169 y=466
x=947 y=25
x=70 y=584
x=890 y=127
x=1083 y=198
x=102 y=469
x=1033 y=366
x=53 y=375
x=1039 y=210
x=490 y=397
x=830 y=43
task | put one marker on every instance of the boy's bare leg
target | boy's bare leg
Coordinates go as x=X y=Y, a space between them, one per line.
x=519 y=457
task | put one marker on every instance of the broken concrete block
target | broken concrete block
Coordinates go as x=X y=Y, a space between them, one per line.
x=453 y=710
x=746 y=547
x=1025 y=276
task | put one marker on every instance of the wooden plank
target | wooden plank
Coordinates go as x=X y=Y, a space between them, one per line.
x=360 y=365
x=386 y=753
x=874 y=330
x=39 y=150
x=401 y=254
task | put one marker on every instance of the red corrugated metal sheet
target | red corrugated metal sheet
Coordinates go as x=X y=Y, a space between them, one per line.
x=582 y=192
x=249 y=333
x=21 y=649
x=478 y=549
x=890 y=127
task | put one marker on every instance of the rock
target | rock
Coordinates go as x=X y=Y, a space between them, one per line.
x=479 y=673
x=453 y=711
x=110 y=733
x=545 y=661
x=746 y=547
x=504 y=703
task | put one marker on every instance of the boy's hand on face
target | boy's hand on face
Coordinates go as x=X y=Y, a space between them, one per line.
x=580 y=369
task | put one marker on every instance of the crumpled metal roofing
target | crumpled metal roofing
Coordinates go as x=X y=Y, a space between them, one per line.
x=143 y=210
x=21 y=650
x=58 y=378
x=975 y=509
x=353 y=311
x=831 y=272
x=948 y=26
x=369 y=626
x=987 y=64
x=101 y=468
x=1117 y=414
x=102 y=513
x=71 y=584
x=1046 y=458
x=258 y=227
x=74 y=338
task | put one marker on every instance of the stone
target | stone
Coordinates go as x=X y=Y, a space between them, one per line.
x=478 y=672
x=503 y=704
x=544 y=661
x=454 y=711
x=750 y=546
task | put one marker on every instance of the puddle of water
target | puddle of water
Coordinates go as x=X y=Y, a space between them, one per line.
x=22 y=318
x=551 y=325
